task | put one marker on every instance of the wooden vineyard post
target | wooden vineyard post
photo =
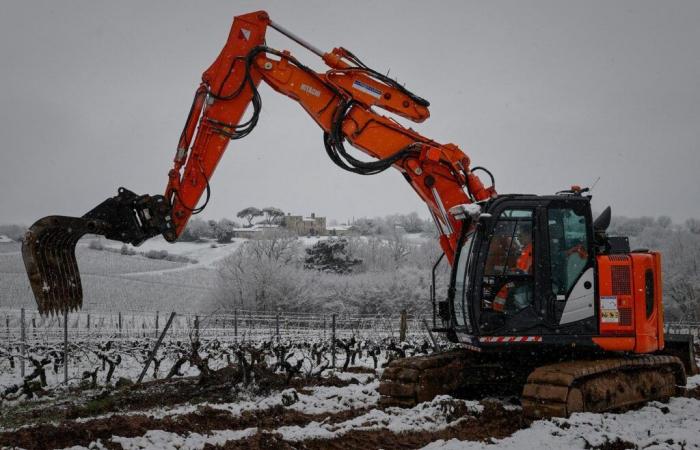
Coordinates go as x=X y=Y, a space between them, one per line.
x=155 y=347
x=402 y=326
x=120 y=324
x=196 y=328
x=65 y=346
x=430 y=333
x=333 y=340
x=277 y=325
x=157 y=324
x=235 y=324
x=23 y=338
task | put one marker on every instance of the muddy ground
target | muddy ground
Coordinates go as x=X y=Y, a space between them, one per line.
x=53 y=424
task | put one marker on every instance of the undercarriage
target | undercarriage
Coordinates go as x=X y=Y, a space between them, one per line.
x=550 y=384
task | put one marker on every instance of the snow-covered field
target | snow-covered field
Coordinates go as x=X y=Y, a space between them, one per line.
x=672 y=425
x=338 y=411
x=347 y=416
x=127 y=282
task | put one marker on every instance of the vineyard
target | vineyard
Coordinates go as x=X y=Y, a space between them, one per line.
x=253 y=380
x=103 y=347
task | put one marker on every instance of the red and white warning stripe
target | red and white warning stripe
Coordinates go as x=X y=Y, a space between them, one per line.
x=506 y=339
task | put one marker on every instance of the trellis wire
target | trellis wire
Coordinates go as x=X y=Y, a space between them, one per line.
x=234 y=325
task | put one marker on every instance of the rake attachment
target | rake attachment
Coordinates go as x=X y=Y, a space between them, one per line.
x=48 y=248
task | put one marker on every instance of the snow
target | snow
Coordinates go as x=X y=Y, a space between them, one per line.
x=472 y=209
x=323 y=399
x=207 y=254
x=672 y=425
x=363 y=378
x=693 y=381
x=339 y=228
x=333 y=399
x=433 y=415
x=162 y=440
x=675 y=425
x=308 y=241
x=4 y=239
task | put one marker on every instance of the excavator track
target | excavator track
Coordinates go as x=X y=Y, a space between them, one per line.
x=406 y=382
x=558 y=390
x=552 y=390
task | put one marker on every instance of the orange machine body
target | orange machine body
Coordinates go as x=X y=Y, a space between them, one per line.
x=630 y=310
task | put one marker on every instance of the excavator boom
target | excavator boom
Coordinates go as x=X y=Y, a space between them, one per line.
x=343 y=101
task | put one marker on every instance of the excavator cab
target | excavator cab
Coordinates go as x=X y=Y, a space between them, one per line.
x=540 y=270
x=524 y=261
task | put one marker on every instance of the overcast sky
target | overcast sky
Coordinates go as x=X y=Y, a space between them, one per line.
x=93 y=96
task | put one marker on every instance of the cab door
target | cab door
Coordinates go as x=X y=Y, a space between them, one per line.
x=569 y=266
x=506 y=288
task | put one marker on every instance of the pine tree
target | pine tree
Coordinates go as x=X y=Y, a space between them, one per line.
x=330 y=255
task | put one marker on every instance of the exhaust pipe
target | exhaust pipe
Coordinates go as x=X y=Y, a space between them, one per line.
x=48 y=249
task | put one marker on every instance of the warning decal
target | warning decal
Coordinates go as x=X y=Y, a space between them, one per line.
x=366 y=88
x=609 y=312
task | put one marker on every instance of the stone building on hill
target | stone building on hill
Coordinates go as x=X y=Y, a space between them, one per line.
x=305 y=226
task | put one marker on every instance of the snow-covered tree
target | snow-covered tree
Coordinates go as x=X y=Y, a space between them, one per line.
x=195 y=230
x=223 y=230
x=330 y=255
x=14 y=232
x=263 y=274
x=693 y=225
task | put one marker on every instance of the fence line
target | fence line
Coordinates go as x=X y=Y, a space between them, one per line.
x=28 y=326
x=239 y=324
x=72 y=337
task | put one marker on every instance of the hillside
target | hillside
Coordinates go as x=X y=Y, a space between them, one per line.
x=112 y=280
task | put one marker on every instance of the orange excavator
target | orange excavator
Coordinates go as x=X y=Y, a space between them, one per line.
x=540 y=300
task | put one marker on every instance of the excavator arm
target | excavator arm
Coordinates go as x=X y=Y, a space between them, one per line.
x=343 y=101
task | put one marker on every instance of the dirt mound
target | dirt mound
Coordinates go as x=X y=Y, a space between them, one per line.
x=221 y=386
x=494 y=422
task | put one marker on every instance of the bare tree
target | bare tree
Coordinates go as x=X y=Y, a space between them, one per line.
x=693 y=225
x=265 y=273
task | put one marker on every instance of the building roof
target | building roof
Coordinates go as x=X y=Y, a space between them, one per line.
x=258 y=227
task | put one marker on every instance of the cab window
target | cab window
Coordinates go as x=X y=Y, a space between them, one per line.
x=462 y=282
x=568 y=247
x=508 y=273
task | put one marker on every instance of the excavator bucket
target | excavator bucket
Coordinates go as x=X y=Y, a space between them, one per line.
x=48 y=251
x=48 y=248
